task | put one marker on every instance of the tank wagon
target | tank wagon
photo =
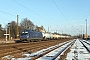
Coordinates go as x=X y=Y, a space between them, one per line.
x=47 y=36
x=55 y=36
x=29 y=35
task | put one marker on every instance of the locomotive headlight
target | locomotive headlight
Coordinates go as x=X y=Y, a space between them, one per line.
x=27 y=36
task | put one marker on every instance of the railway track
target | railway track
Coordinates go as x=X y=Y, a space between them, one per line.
x=50 y=53
x=86 y=44
x=54 y=53
x=17 y=49
x=79 y=51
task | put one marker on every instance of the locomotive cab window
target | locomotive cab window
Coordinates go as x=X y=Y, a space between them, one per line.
x=24 y=33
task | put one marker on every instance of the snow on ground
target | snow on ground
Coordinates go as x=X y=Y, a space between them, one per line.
x=54 y=53
x=28 y=56
x=78 y=52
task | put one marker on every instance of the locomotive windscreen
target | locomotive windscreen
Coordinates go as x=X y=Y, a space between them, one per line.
x=24 y=33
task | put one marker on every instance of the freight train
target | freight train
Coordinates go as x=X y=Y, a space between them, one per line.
x=29 y=35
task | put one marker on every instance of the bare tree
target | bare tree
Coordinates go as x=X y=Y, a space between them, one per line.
x=13 y=30
x=40 y=29
x=26 y=24
x=0 y=27
x=1 y=32
x=37 y=28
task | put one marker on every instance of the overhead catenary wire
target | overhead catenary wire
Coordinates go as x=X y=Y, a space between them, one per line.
x=8 y=4
x=59 y=9
x=41 y=10
x=23 y=7
x=11 y=7
x=29 y=9
x=69 y=22
x=7 y=13
x=10 y=13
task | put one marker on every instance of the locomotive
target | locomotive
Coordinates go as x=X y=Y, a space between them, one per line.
x=29 y=35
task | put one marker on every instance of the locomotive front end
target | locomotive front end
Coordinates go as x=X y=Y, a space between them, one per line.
x=24 y=35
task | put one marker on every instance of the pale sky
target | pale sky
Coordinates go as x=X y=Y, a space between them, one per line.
x=59 y=15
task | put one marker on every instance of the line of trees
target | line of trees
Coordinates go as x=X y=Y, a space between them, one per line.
x=25 y=24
